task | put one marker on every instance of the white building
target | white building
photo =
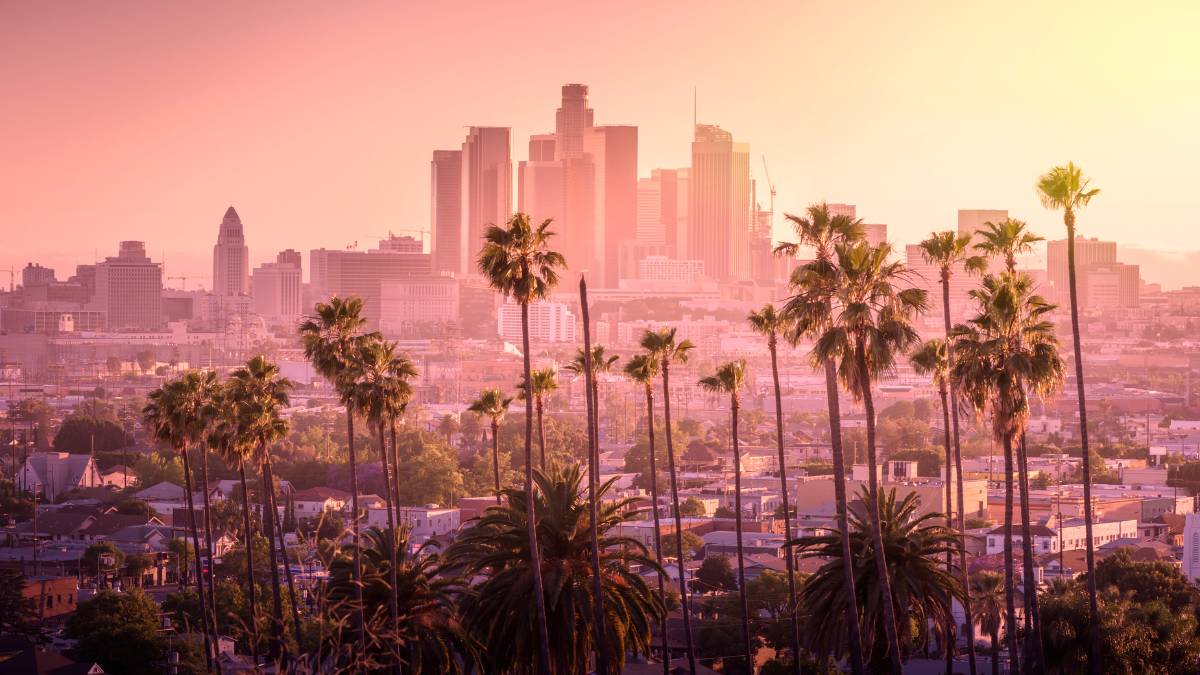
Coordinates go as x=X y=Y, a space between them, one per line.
x=548 y=322
x=1191 y=546
x=662 y=268
x=276 y=291
x=1070 y=536
x=423 y=522
x=417 y=301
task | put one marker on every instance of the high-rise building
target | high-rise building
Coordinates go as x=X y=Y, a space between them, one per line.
x=971 y=221
x=1108 y=286
x=659 y=206
x=486 y=189
x=417 y=306
x=129 y=289
x=662 y=268
x=1088 y=252
x=231 y=258
x=719 y=213
x=650 y=228
x=570 y=121
x=548 y=322
x=36 y=275
x=276 y=288
x=540 y=189
x=848 y=210
x=445 y=214
x=613 y=154
x=876 y=233
x=361 y=273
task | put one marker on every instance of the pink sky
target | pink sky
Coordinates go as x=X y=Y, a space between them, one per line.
x=144 y=120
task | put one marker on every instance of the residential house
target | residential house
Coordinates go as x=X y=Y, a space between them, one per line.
x=51 y=474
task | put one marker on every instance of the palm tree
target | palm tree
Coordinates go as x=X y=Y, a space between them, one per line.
x=730 y=379
x=545 y=380
x=1064 y=188
x=922 y=590
x=377 y=394
x=602 y=362
x=809 y=310
x=987 y=595
x=930 y=358
x=871 y=325
x=174 y=414
x=517 y=262
x=204 y=388
x=330 y=339
x=429 y=631
x=261 y=395
x=227 y=437
x=1006 y=240
x=499 y=611
x=950 y=252
x=770 y=323
x=663 y=347
x=1002 y=354
x=493 y=404
x=643 y=370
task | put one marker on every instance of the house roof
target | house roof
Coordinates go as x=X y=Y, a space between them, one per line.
x=161 y=491
x=59 y=524
x=110 y=523
x=320 y=494
x=20 y=657
x=1035 y=530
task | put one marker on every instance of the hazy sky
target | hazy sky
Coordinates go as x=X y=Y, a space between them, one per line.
x=145 y=120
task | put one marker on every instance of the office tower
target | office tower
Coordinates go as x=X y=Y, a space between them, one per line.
x=1088 y=252
x=36 y=275
x=848 y=210
x=486 y=189
x=613 y=154
x=276 y=288
x=445 y=215
x=1108 y=286
x=719 y=213
x=540 y=183
x=418 y=306
x=231 y=258
x=541 y=147
x=662 y=268
x=971 y=221
x=650 y=228
x=928 y=276
x=548 y=322
x=570 y=120
x=659 y=208
x=876 y=233
x=361 y=273
x=402 y=244
x=129 y=289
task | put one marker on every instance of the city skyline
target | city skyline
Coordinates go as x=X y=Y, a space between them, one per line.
x=179 y=159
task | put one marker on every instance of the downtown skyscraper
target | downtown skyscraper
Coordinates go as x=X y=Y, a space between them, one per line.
x=486 y=189
x=719 y=204
x=445 y=214
x=231 y=258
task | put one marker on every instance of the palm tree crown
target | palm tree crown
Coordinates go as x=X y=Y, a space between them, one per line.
x=545 y=380
x=516 y=261
x=929 y=359
x=1006 y=239
x=1064 y=188
x=491 y=403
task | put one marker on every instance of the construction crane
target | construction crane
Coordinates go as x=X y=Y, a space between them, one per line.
x=771 y=188
x=184 y=278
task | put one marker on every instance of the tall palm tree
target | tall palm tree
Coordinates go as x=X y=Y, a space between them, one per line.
x=1006 y=240
x=871 y=324
x=923 y=589
x=1065 y=189
x=499 y=612
x=1001 y=355
x=493 y=404
x=429 y=631
x=930 y=359
x=376 y=393
x=227 y=437
x=813 y=285
x=204 y=388
x=987 y=595
x=545 y=381
x=175 y=415
x=643 y=369
x=330 y=339
x=400 y=374
x=771 y=324
x=730 y=379
x=261 y=395
x=662 y=345
x=517 y=261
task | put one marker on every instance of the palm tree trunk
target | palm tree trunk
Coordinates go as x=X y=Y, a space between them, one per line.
x=251 y=594
x=1093 y=605
x=593 y=405
x=949 y=636
x=1034 y=656
x=496 y=456
x=741 y=559
x=268 y=493
x=208 y=549
x=393 y=608
x=359 y=610
x=787 y=515
x=287 y=569
x=662 y=592
x=881 y=568
x=683 y=592
x=209 y=631
x=996 y=650
x=541 y=431
x=1010 y=632
x=535 y=559
x=854 y=639
x=958 y=478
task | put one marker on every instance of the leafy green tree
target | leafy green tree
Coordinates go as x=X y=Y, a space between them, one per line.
x=78 y=433
x=17 y=612
x=692 y=508
x=91 y=559
x=431 y=476
x=1147 y=581
x=39 y=414
x=120 y=632
x=692 y=543
x=716 y=574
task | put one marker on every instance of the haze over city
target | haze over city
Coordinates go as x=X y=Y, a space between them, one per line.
x=144 y=122
x=613 y=339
